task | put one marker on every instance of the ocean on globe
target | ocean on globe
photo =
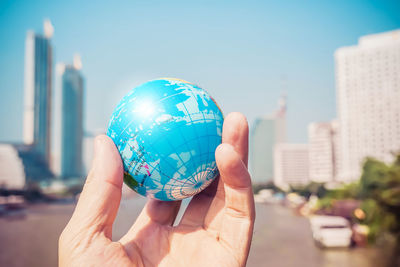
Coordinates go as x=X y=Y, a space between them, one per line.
x=166 y=131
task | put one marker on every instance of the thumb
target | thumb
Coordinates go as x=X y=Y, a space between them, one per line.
x=101 y=194
x=239 y=201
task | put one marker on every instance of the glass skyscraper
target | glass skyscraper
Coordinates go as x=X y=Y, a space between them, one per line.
x=72 y=93
x=267 y=132
x=37 y=102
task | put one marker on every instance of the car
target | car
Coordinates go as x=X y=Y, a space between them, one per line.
x=331 y=231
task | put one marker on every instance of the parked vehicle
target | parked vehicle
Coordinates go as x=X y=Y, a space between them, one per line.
x=331 y=231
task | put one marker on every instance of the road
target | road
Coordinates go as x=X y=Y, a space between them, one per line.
x=280 y=238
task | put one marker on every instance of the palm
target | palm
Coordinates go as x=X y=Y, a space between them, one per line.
x=215 y=230
x=181 y=247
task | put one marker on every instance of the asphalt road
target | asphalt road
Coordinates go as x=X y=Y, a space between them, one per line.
x=280 y=238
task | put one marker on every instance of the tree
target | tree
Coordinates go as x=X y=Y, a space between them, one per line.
x=379 y=192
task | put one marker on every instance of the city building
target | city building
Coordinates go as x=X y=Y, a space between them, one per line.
x=291 y=165
x=12 y=175
x=323 y=160
x=37 y=95
x=67 y=158
x=267 y=132
x=368 y=97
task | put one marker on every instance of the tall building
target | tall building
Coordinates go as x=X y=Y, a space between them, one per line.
x=267 y=132
x=368 y=97
x=291 y=165
x=37 y=102
x=68 y=138
x=323 y=150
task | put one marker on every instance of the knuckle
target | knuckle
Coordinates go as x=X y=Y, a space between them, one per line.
x=237 y=213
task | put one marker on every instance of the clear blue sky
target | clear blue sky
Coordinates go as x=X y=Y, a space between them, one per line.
x=243 y=52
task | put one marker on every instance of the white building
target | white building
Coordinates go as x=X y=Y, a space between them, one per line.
x=368 y=101
x=12 y=174
x=323 y=150
x=291 y=164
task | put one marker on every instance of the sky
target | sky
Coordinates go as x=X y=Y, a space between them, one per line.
x=244 y=53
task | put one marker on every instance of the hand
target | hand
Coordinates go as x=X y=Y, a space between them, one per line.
x=216 y=229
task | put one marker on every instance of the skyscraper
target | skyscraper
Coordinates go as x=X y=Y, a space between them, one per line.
x=68 y=142
x=267 y=132
x=368 y=97
x=37 y=102
x=72 y=120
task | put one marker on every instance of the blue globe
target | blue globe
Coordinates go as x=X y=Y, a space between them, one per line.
x=166 y=131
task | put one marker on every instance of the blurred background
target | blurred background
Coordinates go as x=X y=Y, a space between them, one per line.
x=318 y=81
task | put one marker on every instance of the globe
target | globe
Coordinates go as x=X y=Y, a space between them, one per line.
x=166 y=132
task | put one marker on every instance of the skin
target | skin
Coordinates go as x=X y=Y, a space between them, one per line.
x=216 y=229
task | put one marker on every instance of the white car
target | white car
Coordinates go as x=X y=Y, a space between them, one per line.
x=331 y=231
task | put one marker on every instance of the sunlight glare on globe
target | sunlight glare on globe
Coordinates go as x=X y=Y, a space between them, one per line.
x=145 y=109
x=166 y=132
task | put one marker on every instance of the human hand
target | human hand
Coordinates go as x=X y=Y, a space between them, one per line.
x=216 y=229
